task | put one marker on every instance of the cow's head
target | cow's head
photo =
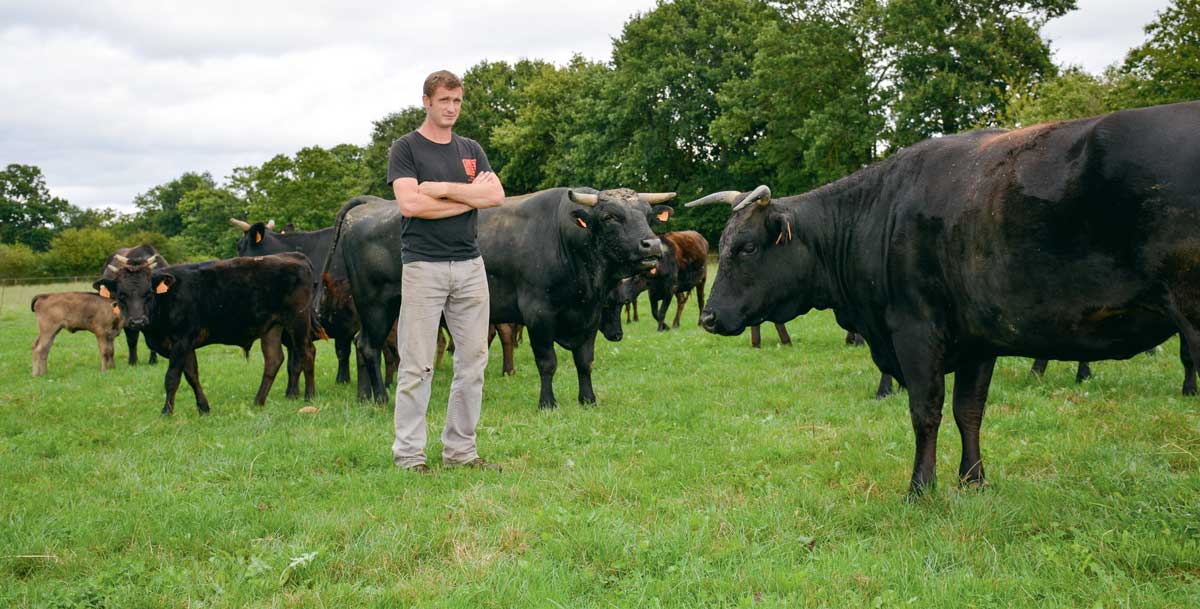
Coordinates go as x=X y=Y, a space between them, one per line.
x=619 y=222
x=765 y=269
x=610 y=316
x=627 y=291
x=253 y=241
x=128 y=281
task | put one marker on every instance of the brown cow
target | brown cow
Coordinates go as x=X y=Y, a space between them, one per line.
x=74 y=311
x=682 y=267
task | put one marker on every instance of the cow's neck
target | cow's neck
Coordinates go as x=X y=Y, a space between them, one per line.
x=833 y=221
x=589 y=269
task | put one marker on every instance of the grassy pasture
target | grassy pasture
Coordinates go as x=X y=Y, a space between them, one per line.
x=709 y=474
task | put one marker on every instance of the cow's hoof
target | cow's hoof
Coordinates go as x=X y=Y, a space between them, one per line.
x=1189 y=391
x=547 y=405
x=587 y=401
x=510 y=373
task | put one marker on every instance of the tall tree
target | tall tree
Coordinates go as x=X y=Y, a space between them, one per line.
x=953 y=61
x=385 y=131
x=1165 y=68
x=159 y=207
x=1072 y=94
x=28 y=213
x=307 y=189
x=206 y=230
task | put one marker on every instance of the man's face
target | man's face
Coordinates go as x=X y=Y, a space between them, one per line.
x=444 y=106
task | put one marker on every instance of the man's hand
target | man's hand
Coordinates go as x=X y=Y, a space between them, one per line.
x=486 y=177
x=436 y=190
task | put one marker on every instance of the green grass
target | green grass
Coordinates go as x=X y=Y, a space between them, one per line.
x=709 y=474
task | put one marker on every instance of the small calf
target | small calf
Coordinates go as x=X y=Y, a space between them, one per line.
x=74 y=311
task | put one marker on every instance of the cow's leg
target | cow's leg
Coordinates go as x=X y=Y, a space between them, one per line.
x=294 y=365
x=153 y=355
x=1189 y=338
x=370 y=342
x=391 y=360
x=508 y=344
x=1189 y=367
x=659 y=311
x=920 y=357
x=885 y=386
x=1039 y=367
x=755 y=337
x=131 y=339
x=584 y=356
x=1083 y=373
x=364 y=379
x=301 y=341
x=628 y=308
x=105 y=343
x=191 y=371
x=785 y=339
x=41 y=348
x=971 y=382
x=341 y=346
x=681 y=299
x=441 y=346
x=635 y=311
x=272 y=359
x=178 y=359
x=542 y=344
x=855 y=339
x=700 y=298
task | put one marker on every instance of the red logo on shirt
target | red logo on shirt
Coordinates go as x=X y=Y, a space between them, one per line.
x=469 y=167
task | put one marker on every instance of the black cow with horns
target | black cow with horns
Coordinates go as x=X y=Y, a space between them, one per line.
x=1073 y=240
x=552 y=258
x=140 y=260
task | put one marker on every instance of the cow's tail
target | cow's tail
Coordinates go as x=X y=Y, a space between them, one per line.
x=33 y=303
x=338 y=221
x=318 y=331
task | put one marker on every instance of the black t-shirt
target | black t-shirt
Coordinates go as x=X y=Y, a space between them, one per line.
x=447 y=239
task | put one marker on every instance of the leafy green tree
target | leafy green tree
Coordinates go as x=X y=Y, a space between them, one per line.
x=28 y=213
x=307 y=189
x=18 y=261
x=385 y=131
x=1165 y=68
x=1072 y=94
x=206 y=230
x=953 y=61
x=159 y=207
x=81 y=250
x=492 y=93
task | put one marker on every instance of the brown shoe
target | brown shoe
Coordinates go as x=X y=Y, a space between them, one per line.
x=419 y=468
x=478 y=463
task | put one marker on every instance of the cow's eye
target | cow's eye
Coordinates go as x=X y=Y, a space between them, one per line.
x=749 y=249
x=611 y=218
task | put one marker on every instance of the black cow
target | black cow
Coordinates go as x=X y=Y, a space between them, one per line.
x=627 y=292
x=683 y=267
x=551 y=258
x=338 y=316
x=1072 y=241
x=140 y=259
x=229 y=302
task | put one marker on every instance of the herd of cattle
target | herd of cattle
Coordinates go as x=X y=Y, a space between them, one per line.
x=1071 y=241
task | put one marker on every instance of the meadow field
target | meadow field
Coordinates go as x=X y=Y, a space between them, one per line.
x=708 y=474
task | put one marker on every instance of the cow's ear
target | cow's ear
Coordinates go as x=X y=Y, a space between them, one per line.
x=162 y=282
x=779 y=226
x=257 y=232
x=659 y=214
x=105 y=287
x=583 y=219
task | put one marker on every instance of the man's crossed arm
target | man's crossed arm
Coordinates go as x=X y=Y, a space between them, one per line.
x=435 y=200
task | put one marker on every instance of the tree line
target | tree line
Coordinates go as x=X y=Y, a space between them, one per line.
x=698 y=95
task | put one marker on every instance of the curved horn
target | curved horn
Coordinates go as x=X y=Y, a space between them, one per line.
x=114 y=269
x=726 y=196
x=120 y=258
x=271 y=224
x=762 y=194
x=583 y=198
x=245 y=226
x=654 y=198
x=153 y=264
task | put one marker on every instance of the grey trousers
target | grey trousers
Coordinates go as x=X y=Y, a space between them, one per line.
x=460 y=291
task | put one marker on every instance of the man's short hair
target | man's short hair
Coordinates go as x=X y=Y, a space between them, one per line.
x=441 y=78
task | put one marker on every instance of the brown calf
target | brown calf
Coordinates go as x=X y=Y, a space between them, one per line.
x=74 y=311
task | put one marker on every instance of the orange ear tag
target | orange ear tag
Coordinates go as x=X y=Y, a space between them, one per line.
x=663 y=216
x=258 y=237
x=654 y=271
x=162 y=288
x=581 y=223
x=104 y=293
x=116 y=310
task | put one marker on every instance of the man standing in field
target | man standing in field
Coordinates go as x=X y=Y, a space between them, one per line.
x=440 y=180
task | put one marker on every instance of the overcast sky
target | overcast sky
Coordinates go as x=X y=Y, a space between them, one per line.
x=112 y=97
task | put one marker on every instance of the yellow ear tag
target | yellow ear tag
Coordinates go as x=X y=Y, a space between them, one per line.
x=104 y=293
x=581 y=223
x=162 y=288
x=258 y=237
x=663 y=215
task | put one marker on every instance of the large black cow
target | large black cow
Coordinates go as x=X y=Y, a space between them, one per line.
x=338 y=316
x=1072 y=241
x=140 y=259
x=551 y=259
x=229 y=302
